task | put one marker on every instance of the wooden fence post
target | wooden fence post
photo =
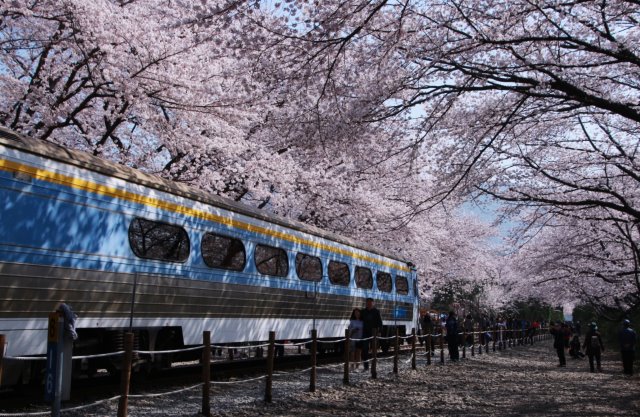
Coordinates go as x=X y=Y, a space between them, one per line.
x=473 y=341
x=206 y=373
x=314 y=350
x=3 y=344
x=413 y=348
x=269 y=380
x=347 y=348
x=125 y=379
x=396 y=346
x=464 y=343
x=374 y=349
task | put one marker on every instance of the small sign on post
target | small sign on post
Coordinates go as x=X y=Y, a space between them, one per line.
x=53 y=375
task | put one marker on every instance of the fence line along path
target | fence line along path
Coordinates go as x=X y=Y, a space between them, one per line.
x=127 y=354
x=511 y=382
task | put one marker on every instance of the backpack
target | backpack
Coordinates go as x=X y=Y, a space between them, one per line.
x=595 y=344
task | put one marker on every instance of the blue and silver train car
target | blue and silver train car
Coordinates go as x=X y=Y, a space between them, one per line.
x=123 y=249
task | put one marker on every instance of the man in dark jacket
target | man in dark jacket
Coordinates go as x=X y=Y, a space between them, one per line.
x=427 y=330
x=371 y=320
x=452 y=336
x=558 y=333
x=627 y=346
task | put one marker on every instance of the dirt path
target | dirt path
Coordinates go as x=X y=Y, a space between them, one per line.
x=517 y=382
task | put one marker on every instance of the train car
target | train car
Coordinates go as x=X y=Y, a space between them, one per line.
x=127 y=250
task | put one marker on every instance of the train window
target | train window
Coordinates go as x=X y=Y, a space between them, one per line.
x=157 y=240
x=402 y=285
x=339 y=273
x=309 y=268
x=383 y=280
x=223 y=252
x=364 y=279
x=271 y=261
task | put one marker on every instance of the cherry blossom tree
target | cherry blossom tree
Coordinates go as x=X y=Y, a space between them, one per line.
x=533 y=103
x=510 y=92
x=138 y=82
x=593 y=262
x=176 y=91
x=371 y=119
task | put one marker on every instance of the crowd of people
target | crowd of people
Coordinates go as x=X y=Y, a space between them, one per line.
x=566 y=336
x=469 y=331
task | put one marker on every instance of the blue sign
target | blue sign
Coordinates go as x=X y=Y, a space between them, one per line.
x=400 y=312
x=51 y=372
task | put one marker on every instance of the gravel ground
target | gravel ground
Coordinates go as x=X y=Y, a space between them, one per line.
x=515 y=382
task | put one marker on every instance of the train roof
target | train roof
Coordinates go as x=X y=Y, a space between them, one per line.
x=105 y=167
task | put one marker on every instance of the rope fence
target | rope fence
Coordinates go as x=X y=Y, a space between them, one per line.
x=477 y=340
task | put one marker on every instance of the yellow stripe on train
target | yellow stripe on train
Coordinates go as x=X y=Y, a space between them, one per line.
x=104 y=190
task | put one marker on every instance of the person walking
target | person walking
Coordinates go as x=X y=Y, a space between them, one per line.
x=558 y=343
x=355 y=332
x=593 y=345
x=577 y=327
x=627 y=339
x=427 y=330
x=452 y=336
x=535 y=328
x=501 y=327
x=468 y=328
x=485 y=328
x=371 y=321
